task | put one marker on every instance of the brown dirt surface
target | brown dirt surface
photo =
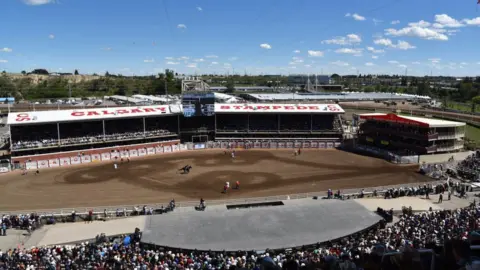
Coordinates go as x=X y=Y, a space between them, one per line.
x=157 y=179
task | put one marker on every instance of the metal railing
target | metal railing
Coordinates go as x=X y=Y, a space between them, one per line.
x=100 y=210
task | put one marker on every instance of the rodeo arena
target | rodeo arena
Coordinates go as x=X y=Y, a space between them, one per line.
x=258 y=183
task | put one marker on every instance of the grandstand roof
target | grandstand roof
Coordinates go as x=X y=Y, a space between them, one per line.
x=410 y=120
x=151 y=98
x=340 y=96
x=42 y=117
x=278 y=108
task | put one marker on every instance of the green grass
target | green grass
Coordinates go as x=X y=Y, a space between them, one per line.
x=473 y=133
x=462 y=107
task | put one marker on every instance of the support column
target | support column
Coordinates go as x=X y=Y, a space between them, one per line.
x=103 y=124
x=144 y=128
x=215 y=124
x=58 y=133
x=178 y=125
x=248 y=122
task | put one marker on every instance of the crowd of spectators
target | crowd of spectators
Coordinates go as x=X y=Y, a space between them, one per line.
x=469 y=168
x=88 y=139
x=441 y=239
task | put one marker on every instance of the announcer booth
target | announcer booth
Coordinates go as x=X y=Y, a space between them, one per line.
x=45 y=132
x=279 y=125
x=408 y=135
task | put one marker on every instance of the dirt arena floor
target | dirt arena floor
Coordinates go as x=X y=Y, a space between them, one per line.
x=157 y=179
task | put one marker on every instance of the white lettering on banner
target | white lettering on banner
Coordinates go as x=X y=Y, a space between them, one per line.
x=167 y=149
x=32 y=165
x=151 y=151
x=159 y=149
x=4 y=170
x=115 y=154
x=53 y=163
x=124 y=154
x=120 y=111
x=95 y=157
x=88 y=114
x=65 y=161
x=174 y=148
x=42 y=164
x=86 y=159
x=142 y=152
x=320 y=108
x=133 y=153
x=105 y=156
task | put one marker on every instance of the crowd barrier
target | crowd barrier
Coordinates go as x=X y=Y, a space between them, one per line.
x=267 y=144
x=75 y=159
x=128 y=209
x=387 y=155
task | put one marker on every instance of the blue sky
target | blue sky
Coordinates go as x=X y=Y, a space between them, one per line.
x=142 y=37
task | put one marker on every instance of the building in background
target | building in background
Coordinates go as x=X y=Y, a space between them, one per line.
x=303 y=80
x=407 y=135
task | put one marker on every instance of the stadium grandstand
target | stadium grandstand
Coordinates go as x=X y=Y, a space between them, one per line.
x=338 y=97
x=42 y=132
x=407 y=135
x=280 y=122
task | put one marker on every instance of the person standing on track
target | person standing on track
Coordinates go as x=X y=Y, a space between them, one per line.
x=237 y=185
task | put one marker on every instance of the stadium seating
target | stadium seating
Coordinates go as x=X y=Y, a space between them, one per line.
x=416 y=241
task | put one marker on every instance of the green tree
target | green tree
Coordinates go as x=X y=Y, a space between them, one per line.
x=475 y=102
x=24 y=72
x=76 y=72
x=230 y=86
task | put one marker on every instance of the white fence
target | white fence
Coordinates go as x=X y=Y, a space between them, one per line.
x=98 y=157
x=264 y=144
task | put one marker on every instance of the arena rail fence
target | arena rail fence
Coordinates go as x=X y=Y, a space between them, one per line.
x=62 y=159
x=129 y=209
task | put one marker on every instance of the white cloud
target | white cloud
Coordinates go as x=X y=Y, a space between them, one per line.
x=402 y=66
x=233 y=58
x=6 y=50
x=199 y=60
x=355 y=16
x=265 y=46
x=38 y=2
x=199 y=8
x=192 y=65
x=464 y=63
x=3 y=61
x=395 y=22
x=296 y=51
x=349 y=51
x=369 y=64
x=434 y=60
x=401 y=45
x=183 y=58
x=149 y=60
x=308 y=66
x=416 y=63
x=373 y=50
x=416 y=31
x=374 y=57
x=421 y=23
x=51 y=36
x=340 y=63
x=478 y=63
x=107 y=49
x=376 y=21
x=168 y=58
x=447 y=21
x=474 y=21
x=172 y=63
x=214 y=63
x=393 y=62
x=349 y=39
x=181 y=26
x=211 y=56
x=383 y=41
x=315 y=53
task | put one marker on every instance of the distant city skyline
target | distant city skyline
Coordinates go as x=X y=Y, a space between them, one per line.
x=260 y=37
